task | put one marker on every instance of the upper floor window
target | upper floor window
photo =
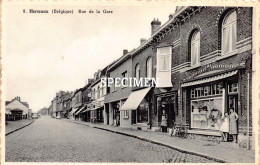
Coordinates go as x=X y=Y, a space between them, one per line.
x=98 y=92
x=149 y=68
x=94 y=93
x=229 y=30
x=102 y=91
x=195 y=48
x=137 y=71
x=124 y=75
x=164 y=56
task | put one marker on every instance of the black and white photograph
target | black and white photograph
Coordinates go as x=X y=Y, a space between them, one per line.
x=129 y=82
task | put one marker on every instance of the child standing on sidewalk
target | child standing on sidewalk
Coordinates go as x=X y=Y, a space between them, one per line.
x=224 y=128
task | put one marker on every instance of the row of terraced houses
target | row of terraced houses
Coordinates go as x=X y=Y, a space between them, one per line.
x=204 y=59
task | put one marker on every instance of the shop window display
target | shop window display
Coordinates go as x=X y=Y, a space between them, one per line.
x=206 y=113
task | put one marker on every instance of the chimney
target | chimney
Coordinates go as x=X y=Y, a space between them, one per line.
x=18 y=98
x=170 y=16
x=125 y=51
x=142 y=40
x=155 y=25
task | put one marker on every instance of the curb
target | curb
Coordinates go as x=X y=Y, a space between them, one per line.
x=158 y=143
x=19 y=128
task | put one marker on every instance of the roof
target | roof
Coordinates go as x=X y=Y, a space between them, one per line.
x=24 y=103
x=120 y=60
x=103 y=74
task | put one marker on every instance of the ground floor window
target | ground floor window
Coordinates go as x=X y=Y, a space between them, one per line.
x=207 y=113
x=126 y=114
x=142 y=113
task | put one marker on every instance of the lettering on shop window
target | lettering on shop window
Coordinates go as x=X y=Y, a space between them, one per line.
x=207 y=90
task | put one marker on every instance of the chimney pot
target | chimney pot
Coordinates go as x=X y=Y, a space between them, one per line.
x=155 y=25
x=125 y=51
x=142 y=40
x=170 y=16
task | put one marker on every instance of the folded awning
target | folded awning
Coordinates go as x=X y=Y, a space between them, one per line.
x=85 y=110
x=95 y=108
x=210 y=79
x=134 y=99
x=80 y=109
x=73 y=110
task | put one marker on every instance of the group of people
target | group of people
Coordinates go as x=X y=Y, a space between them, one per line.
x=229 y=125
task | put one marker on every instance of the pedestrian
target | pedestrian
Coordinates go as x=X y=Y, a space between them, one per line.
x=233 y=124
x=164 y=122
x=224 y=128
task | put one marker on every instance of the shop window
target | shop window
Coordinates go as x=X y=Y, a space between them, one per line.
x=229 y=30
x=195 y=48
x=149 y=67
x=207 y=113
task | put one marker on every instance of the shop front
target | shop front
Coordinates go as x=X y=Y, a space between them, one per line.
x=16 y=114
x=207 y=99
x=136 y=109
x=166 y=108
x=96 y=111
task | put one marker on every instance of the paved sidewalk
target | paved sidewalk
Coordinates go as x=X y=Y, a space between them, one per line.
x=225 y=151
x=15 y=125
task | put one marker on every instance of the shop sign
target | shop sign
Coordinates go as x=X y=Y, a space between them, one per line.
x=213 y=67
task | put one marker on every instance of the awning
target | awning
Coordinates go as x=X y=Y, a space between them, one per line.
x=210 y=79
x=85 y=109
x=80 y=109
x=134 y=99
x=73 y=110
x=95 y=108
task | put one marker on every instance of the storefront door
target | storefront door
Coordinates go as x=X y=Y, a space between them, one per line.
x=169 y=110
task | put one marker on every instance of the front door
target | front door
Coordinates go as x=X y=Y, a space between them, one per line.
x=170 y=114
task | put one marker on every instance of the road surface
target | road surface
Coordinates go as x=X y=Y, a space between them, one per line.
x=55 y=140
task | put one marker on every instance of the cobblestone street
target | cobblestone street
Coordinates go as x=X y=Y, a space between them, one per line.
x=53 y=140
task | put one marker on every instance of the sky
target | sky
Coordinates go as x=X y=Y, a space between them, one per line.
x=46 y=53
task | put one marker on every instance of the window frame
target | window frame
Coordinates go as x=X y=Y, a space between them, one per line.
x=126 y=114
x=149 y=67
x=195 y=41
x=225 y=26
x=160 y=55
x=124 y=75
x=137 y=78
